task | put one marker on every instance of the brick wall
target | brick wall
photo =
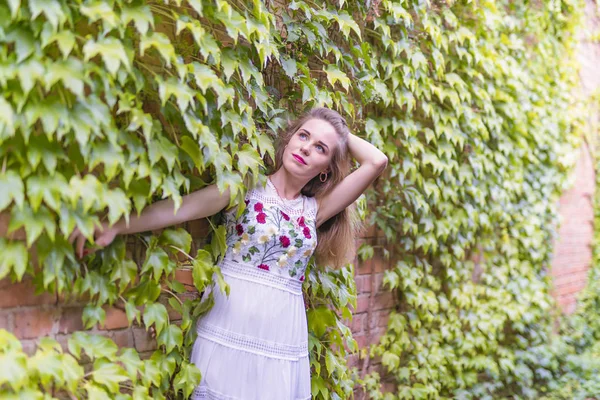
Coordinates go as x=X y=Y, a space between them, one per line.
x=572 y=254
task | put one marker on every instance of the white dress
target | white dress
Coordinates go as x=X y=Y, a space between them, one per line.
x=253 y=345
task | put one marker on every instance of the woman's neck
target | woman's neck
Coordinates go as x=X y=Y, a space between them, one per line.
x=288 y=186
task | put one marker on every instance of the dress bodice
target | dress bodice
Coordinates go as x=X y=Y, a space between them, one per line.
x=275 y=235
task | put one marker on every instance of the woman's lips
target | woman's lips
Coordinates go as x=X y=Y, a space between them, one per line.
x=299 y=159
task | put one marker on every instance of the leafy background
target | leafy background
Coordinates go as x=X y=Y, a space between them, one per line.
x=107 y=106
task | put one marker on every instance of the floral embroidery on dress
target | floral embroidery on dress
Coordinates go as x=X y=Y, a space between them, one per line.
x=271 y=239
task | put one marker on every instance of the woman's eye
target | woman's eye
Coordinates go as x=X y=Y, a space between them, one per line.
x=320 y=149
x=302 y=135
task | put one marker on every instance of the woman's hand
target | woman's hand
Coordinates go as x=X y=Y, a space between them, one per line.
x=103 y=236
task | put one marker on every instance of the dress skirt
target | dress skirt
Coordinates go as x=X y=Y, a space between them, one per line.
x=253 y=344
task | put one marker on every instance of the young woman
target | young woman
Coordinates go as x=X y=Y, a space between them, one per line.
x=253 y=344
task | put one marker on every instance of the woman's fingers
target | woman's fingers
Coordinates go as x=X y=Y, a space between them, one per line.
x=74 y=235
x=80 y=243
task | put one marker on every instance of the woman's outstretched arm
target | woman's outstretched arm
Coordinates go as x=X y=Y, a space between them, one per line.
x=372 y=163
x=199 y=204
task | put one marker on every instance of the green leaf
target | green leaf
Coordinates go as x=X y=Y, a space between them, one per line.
x=33 y=222
x=187 y=379
x=118 y=205
x=202 y=269
x=109 y=375
x=131 y=362
x=132 y=312
x=204 y=77
x=390 y=360
x=170 y=337
x=335 y=75
x=158 y=262
x=13 y=369
x=112 y=52
x=347 y=23
x=72 y=372
x=93 y=315
x=160 y=42
x=248 y=160
x=98 y=10
x=95 y=346
x=11 y=189
x=155 y=314
x=124 y=271
x=141 y=15
x=193 y=150
x=15 y=257
x=162 y=148
x=319 y=319
x=197 y=6
x=46 y=188
x=179 y=238
x=289 y=66
x=218 y=243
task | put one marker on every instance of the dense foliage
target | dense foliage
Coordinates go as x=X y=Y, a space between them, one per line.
x=108 y=105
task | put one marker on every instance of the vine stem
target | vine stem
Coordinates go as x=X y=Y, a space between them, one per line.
x=4 y=165
x=181 y=250
x=173 y=294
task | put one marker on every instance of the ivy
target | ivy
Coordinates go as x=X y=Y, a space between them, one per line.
x=107 y=106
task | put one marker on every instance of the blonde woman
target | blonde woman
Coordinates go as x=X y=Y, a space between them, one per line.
x=253 y=344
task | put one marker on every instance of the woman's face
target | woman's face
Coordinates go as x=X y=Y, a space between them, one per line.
x=310 y=150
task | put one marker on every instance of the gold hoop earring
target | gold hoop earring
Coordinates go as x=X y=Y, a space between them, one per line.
x=321 y=177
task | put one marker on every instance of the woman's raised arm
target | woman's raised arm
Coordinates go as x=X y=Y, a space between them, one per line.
x=372 y=163
x=199 y=204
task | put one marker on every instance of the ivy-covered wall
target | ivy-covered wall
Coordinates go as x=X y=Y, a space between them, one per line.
x=106 y=106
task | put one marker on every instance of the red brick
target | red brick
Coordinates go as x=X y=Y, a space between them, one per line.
x=361 y=340
x=199 y=228
x=383 y=301
x=352 y=360
x=29 y=347
x=359 y=323
x=34 y=323
x=364 y=267
x=383 y=319
x=363 y=283
x=185 y=277
x=23 y=294
x=5 y=321
x=142 y=340
x=388 y=387
x=369 y=231
x=172 y=313
x=123 y=338
x=379 y=264
x=115 y=318
x=5 y=282
x=378 y=287
x=70 y=320
x=362 y=304
x=379 y=319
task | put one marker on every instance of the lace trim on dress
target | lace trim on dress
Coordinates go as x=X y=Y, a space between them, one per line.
x=206 y=393
x=250 y=344
x=257 y=275
x=269 y=196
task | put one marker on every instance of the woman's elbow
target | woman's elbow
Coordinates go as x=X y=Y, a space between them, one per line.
x=381 y=163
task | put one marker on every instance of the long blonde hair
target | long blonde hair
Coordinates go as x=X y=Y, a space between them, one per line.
x=336 y=236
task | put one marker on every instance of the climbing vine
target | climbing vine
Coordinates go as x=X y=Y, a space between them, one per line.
x=106 y=106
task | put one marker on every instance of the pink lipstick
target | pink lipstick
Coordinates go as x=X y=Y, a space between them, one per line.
x=299 y=159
